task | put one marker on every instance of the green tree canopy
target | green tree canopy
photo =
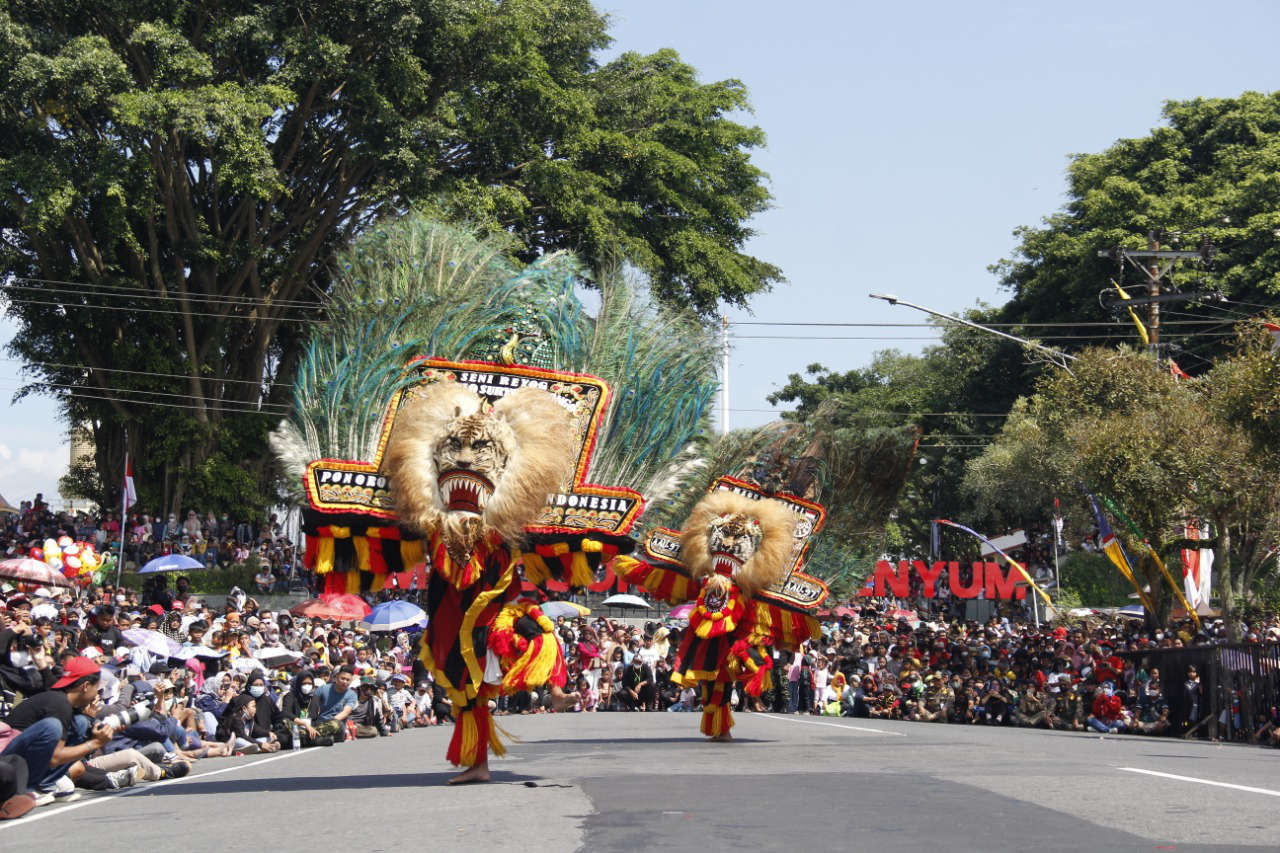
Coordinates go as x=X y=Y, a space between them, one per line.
x=1209 y=171
x=178 y=174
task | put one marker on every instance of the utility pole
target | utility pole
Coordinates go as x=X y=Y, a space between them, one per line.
x=1155 y=274
x=1158 y=263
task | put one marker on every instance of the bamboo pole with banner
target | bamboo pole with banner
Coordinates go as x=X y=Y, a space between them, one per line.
x=1151 y=552
x=1044 y=595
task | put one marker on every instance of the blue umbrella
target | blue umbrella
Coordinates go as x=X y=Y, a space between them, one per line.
x=395 y=616
x=170 y=563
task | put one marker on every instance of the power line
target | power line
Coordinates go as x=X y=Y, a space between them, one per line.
x=931 y=338
x=91 y=393
x=1081 y=324
x=25 y=301
x=125 y=291
x=142 y=372
x=873 y=412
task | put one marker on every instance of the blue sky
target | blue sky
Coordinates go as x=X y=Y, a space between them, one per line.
x=906 y=142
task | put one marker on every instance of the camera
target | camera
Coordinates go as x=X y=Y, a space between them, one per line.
x=127 y=717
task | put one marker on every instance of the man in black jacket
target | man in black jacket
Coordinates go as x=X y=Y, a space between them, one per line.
x=637 y=686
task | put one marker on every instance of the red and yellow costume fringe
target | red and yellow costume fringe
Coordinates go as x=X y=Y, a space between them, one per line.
x=472 y=610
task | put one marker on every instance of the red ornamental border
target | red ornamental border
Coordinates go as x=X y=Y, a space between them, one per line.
x=579 y=487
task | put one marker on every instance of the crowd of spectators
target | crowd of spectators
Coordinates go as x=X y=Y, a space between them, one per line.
x=88 y=703
x=222 y=541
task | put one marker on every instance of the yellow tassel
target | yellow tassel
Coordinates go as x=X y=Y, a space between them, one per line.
x=353 y=583
x=411 y=553
x=534 y=667
x=379 y=583
x=361 y=544
x=580 y=571
x=560 y=549
x=591 y=546
x=535 y=568
x=467 y=752
x=324 y=556
x=340 y=532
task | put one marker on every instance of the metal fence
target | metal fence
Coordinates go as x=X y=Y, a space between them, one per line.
x=1238 y=688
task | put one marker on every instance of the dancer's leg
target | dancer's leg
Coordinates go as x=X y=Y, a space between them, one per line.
x=717 y=716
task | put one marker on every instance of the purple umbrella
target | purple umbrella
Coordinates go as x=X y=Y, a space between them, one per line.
x=681 y=611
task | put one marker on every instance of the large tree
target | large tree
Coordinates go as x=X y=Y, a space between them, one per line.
x=1208 y=172
x=954 y=393
x=1164 y=450
x=178 y=174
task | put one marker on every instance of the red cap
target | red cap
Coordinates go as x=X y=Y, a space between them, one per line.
x=157 y=609
x=77 y=668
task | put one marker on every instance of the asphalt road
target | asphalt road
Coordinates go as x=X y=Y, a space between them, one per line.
x=647 y=781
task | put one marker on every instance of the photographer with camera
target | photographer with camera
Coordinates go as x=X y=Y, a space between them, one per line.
x=46 y=721
x=25 y=665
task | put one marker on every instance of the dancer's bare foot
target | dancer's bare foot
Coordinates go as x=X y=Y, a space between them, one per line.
x=724 y=738
x=473 y=775
x=561 y=700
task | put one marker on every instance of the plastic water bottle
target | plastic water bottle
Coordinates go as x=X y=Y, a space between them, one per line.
x=297 y=736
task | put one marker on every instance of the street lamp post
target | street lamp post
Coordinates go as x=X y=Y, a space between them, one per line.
x=1057 y=356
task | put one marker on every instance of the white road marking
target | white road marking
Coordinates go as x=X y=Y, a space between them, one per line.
x=1251 y=790
x=832 y=725
x=144 y=788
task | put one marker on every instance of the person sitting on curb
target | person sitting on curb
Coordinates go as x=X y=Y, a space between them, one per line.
x=1107 y=710
x=45 y=722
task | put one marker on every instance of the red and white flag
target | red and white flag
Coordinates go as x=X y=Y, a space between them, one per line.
x=1197 y=568
x=1275 y=335
x=130 y=493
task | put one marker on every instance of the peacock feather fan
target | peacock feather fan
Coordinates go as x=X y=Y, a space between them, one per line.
x=414 y=286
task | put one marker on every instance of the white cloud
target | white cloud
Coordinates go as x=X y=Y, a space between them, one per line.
x=5 y=452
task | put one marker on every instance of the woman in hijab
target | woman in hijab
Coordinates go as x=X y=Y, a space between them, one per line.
x=267 y=717
x=172 y=626
x=295 y=709
x=590 y=656
x=242 y=723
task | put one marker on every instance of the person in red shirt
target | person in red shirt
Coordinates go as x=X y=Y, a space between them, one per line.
x=1107 y=712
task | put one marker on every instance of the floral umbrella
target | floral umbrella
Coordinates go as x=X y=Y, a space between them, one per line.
x=28 y=570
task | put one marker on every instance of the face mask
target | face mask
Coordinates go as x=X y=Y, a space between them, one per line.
x=322 y=681
x=20 y=659
x=307 y=688
x=168 y=703
x=1106 y=691
x=257 y=690
x=120 y=599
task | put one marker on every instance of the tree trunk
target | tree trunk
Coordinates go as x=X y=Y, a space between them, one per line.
x=1222 y=568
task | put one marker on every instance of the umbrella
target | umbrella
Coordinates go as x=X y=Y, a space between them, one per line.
x=153 y=641
x=624 y=600
x=567 y=609
x=331 y=608
x=277 y=656
x=395 y=616
x=1133 y=611
x=170 y=563
x=352 y=606
x=188 y=651
x=28 y=570
x=681 y=611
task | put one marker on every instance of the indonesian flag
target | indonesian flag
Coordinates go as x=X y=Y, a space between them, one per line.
x=1197 y=568
x=130 y=493
x=1275 y=335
